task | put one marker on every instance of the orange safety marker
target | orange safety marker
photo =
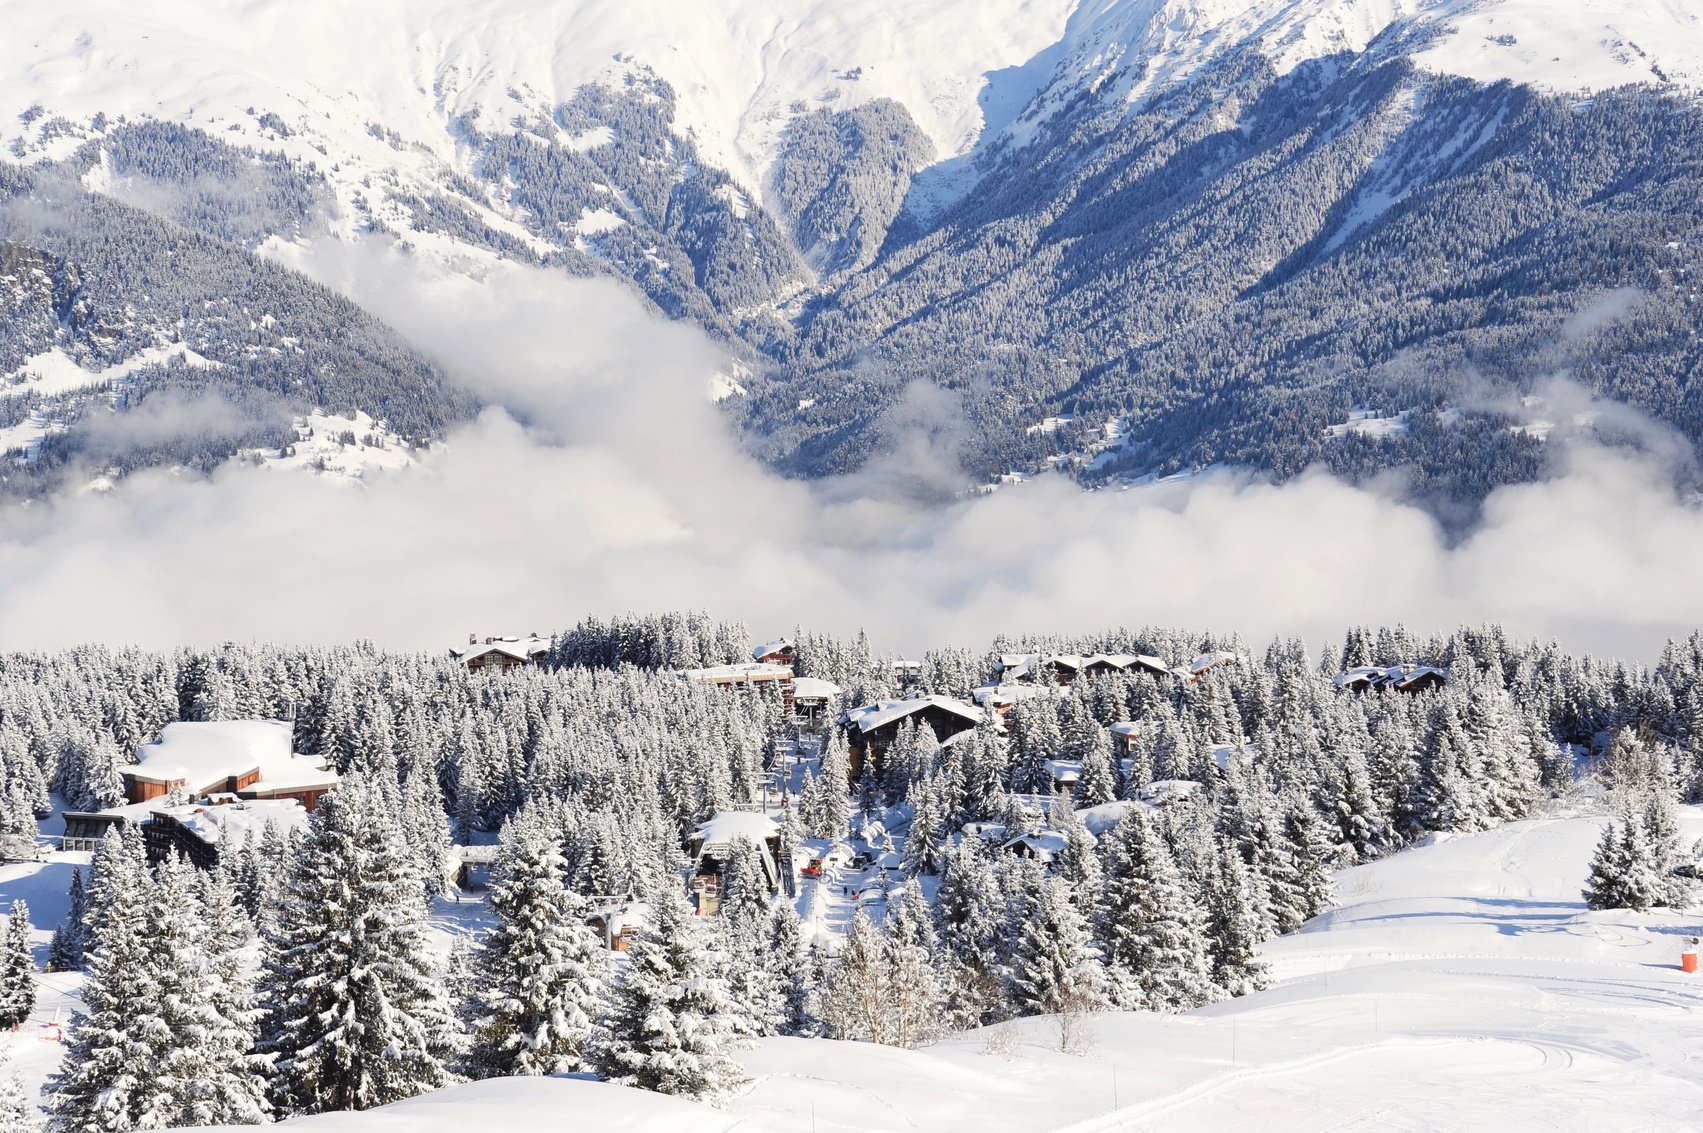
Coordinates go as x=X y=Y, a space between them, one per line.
x=1688 y=961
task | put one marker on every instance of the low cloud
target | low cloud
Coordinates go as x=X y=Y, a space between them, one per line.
x=605 y=481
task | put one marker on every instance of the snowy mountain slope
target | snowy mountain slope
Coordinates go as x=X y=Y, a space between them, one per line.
x=1458 y=985
x=413 y=66
x=797 y=181
x=743 y=71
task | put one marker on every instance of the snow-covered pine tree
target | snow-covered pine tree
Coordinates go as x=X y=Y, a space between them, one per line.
x=17 y=1112
x=1156 y=951
x=1098 y=783
x=1233 y=924
x=670 y=1028
x=539 y=974
x=17 y=969
x=1055 y=971
x=356 y=1018
x=155 y=1049
x=925 y=843
x=1610 y=866
x=69 y=937
x=784 y=956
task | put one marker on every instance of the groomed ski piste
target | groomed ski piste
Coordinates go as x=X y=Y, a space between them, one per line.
x=1461 y=984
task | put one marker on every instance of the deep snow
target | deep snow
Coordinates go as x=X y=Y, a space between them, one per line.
x=1458 y=985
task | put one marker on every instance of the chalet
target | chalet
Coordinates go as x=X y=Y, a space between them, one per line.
x=872 y=728
x=1401 y=678
x=1204 y=664
x=250 y=759
x=1002 y=698
x=777 y=652
x=810 y=699
x=712 y=842
x=619 y=920
x=500 y=654
x=470 y=867
x=755 y=675
x=1062 y=668
x=1123 y=738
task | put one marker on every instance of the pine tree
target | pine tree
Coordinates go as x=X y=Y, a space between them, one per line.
x=670 y=1028
x=1610 y=866
x=17 y=1115
x=925 y=843
x=1055 y=970
x=17 y=969
x=1097 y=783
x=1155 y=947
x=539 y=973
x=156 y=1048
x=69 y=938
x=356 y=1018
x=1233 y=924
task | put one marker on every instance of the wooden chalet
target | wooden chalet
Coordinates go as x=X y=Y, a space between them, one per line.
x=777 y=652
x=247 y=759
x=500 y=654
x=1401 y=678
x=619 y=920
x=1063 y=668
x=871 y=729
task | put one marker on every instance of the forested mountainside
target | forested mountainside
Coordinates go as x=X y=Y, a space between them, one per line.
x=1164 y=250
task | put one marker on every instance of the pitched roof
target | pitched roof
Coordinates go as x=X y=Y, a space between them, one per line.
x=883 y=712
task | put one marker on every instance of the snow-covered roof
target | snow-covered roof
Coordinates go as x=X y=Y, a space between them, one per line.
x=1044 y=844
x=237 y=822
x=201 y=754
x=1018 y=665
x=519 y=648
x=474 y=855
x=1389 y=676
x=1210 y=661
x=1126 y=728
x=883 y=712
x=1162 y=791
x=814 y=688
x=726 y=825
x=768 y=648
x=1000 y=695
x=1099 y=819
x=738 y=674
x=1064 y=770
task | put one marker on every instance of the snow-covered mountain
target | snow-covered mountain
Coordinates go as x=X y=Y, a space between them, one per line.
x=958 y=192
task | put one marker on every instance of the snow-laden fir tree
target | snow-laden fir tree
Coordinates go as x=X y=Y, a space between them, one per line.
x=1055 y=969
x=925 y=842
x=1233 y=924
x=155 y=1048
x=356 y=1016
x=757 y=989
x=1098 y=782
x=17 y=969
x=1156 y=951
x=968 y=913
x=670 y=1028
x=17 y=1111
x=539 y=974
x=65 y=950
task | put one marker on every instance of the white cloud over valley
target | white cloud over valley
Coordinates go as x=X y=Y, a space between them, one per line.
x=608 y=482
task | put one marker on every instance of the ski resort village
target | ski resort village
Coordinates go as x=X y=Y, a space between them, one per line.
x=645 y=875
